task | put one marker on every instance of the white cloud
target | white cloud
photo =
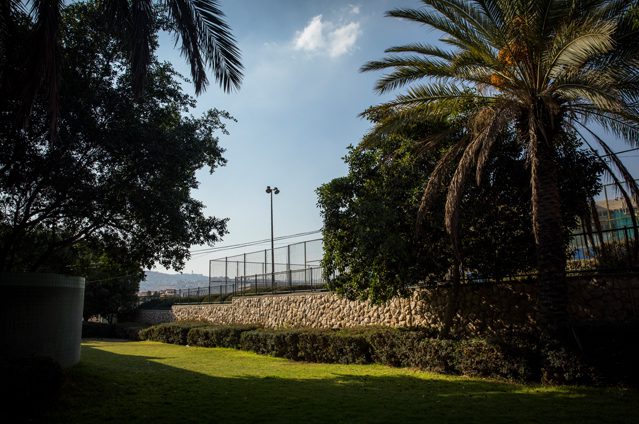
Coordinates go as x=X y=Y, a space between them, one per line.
x=327 y=37
x=343 y=39
x=354 y=9
x=311 y=38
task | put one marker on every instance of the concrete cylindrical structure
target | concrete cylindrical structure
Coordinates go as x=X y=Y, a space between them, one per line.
x=41 y=316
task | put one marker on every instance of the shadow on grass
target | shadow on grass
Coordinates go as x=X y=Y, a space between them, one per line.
x=108 y=387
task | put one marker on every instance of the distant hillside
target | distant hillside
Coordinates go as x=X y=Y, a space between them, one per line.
x=159 y=281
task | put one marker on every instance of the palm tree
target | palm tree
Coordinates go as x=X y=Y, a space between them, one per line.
x=537 y=67
x=198 y=25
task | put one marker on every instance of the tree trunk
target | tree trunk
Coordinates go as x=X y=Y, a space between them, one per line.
x=453 y=301
x=548 y=231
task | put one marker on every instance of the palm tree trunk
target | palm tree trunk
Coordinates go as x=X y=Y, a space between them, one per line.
x=452 y=307
x=548 y=231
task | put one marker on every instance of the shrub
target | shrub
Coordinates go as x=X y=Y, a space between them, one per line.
x=511 y=357
x=395 y=347
x=331 y=346
x=170 y=332
x=283 y=344
x=217 y=336
x=435 y=355
x=559 y=366
x=483 y=358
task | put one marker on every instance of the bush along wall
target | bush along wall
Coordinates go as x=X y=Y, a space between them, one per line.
x=515 y=358
x=170 y=332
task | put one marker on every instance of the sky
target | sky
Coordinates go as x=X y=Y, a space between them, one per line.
x=297 y=109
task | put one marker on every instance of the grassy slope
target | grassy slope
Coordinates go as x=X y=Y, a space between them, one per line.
x=147 y=382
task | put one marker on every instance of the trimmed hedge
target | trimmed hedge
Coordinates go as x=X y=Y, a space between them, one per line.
x=170 y=332
x=516 y=358
x=328 y=346
x=215 y=336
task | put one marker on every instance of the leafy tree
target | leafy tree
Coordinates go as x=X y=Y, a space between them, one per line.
x=372 y=248
x=112 y=281
x=120 y=173
x=540 y=68
x=199 y=27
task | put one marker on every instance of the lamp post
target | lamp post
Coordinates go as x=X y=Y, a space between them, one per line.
x=270 y=191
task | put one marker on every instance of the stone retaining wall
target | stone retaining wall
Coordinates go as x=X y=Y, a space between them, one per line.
x=154 y=316
x=484 y=308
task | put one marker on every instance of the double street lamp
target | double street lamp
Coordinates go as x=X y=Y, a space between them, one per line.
x=270 y=191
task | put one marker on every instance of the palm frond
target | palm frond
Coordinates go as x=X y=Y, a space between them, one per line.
x=216 y=40
x=181 y=13
x=456 y=188
x=432 y=93
x=459 y=32
x=575 y=44
x=466 y=13
x=620 y=124
x=616 y=161
x=494 y=122
x=406 y=70
x=391 y=121
x=630 y=182
x=436 y=180
x=424 y=49
x=589 y=94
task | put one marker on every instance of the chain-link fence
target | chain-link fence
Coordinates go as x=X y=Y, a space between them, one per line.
x=611 y=243
x=293 y=257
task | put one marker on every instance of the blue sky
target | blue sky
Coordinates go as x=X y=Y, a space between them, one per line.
x=297 y=110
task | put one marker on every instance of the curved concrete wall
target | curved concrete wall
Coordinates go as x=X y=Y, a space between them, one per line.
x=41 y=315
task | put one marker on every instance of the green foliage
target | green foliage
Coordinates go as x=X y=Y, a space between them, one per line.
x=170 y=332
x=120 y=169
x=217 y=336
x=397 y=347
x=112 y=281
x=605 y=356
x=375 y=248
x=283 y=344
x=538 y=70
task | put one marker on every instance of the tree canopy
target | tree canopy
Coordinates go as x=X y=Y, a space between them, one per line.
x=539 y=68
x=199 y=28
x=121 y=171
x=374 y=246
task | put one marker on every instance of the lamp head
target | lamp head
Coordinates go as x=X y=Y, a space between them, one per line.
x=276 y=190
x=268 y=189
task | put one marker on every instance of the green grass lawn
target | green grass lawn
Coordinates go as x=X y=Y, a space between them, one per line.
x=148 y=382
